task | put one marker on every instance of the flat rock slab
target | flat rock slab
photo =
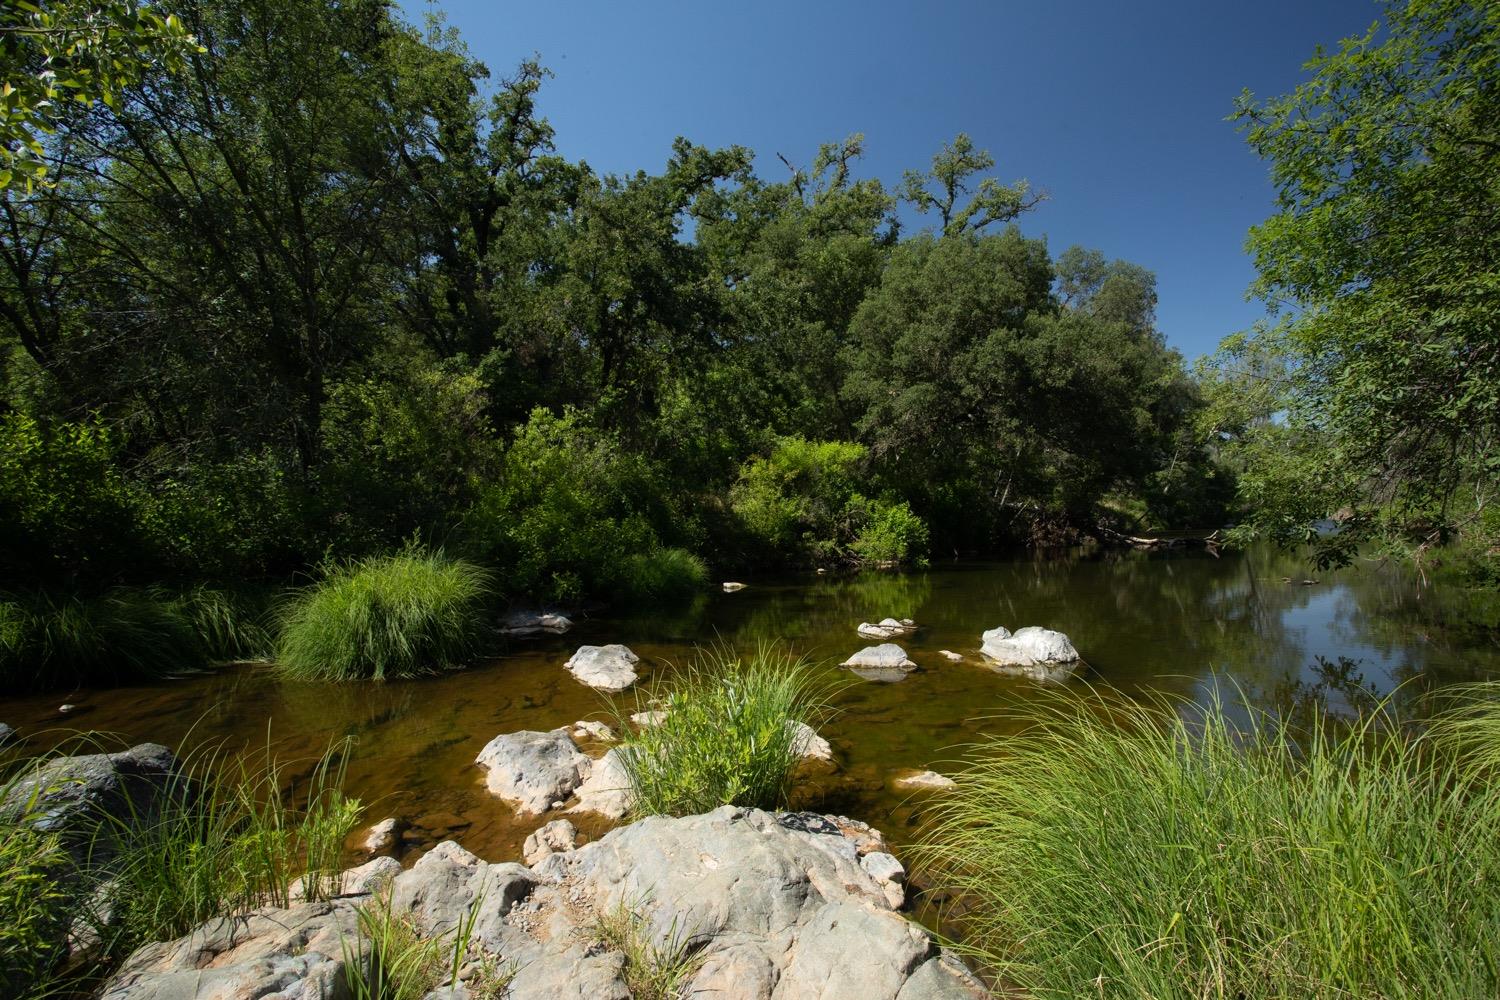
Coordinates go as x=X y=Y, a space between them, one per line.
x=604 y=668
x=531 y=770
x=606 y=789
x=887 y=656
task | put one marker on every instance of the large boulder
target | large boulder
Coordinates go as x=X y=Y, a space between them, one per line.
x=1038 y=653
x=532 y=770
x=604 y=668
x=606 y=789
x=774 y=907
x=887 y=628
x=72 y=796
x=885 y=663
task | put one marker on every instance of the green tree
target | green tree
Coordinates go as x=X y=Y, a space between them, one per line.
x=943 y=188
x=1383 y=252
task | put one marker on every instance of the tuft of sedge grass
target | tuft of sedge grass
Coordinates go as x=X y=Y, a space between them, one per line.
x=728 y=735
x=1158 y=850
x=393 y=961
x=226 y=836
x=390 y=616
x=34 y=901
x=229 y=623
x=654 y=970
x=661 y=575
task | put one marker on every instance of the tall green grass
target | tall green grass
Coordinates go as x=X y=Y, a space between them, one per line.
x=390 y=616
x=223 y=836
x=661 y=575
x=728 y=735
x=1113 y=849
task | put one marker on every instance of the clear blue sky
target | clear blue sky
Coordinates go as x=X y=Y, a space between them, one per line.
x=1116 y=109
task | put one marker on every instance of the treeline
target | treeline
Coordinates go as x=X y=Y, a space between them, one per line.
x=328 y=287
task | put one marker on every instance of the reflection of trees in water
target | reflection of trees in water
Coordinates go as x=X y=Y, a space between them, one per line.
x=826 y=612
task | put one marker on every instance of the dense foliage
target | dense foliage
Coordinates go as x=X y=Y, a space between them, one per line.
x=319 y=283
x=1383 y=253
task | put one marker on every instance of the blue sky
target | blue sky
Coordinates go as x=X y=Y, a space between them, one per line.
x=1115 y=109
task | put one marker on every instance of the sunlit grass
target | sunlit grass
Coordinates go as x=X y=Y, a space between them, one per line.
x=389 y=616
x=1113 y=849
x=728 y=735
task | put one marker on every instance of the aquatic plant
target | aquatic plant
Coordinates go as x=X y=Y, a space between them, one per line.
x=1156 y=850
x=388 y=616
x=727 y=735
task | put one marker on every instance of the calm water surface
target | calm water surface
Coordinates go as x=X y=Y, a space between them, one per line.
x=1184 y=623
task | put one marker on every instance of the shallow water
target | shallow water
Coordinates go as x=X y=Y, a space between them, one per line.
x=1184 y=623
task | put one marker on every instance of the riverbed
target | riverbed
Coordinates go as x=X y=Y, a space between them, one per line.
x=1257 y=626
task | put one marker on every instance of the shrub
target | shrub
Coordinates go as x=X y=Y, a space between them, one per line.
x=890 y=532
x=33 y=915
x=389 y=616
x=569 y=507
x=122 y=636
x=1112 y=849
x=728 y=737
x=660 y=575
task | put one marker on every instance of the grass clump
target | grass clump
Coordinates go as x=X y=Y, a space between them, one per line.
x=653 y=970
x=33 y=904
x=393 y=961
x=1119 y=850
x=389 y=616
x=661 y=575
x=729 y=735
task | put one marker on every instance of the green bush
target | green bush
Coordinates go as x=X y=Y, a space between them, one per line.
x=662 y=575
x=33 y=905
x=387 y=616
x=122 y=636
x=729 y=735
x=889 y=533
x=1117 y=850
x=569 y=507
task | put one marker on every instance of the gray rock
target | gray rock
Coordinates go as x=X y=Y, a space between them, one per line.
x=6 y=734
x=522 y=623
x=554 y=838
x=1038 y=653
x=593 y=729
x=71 y=795
x=886 y=870
x=650 y=717
x=531 y=769
x=733 y=587
x=949 y=654
x=604 y=668
x=886 y=656
x=372 y=876
x=806 y=743
x=606 y=789
x=297 y=952
x=923 y=781
x=887 y=628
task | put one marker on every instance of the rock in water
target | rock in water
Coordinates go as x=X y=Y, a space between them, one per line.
x=531 y=770
x=382 y=836
x=522 y=623
x=886 y=662
x=733 y=587
x=6 y=734
x=923 y=781
x=887 y=628
x=593 y=729
x=1034 y=652
x=949 y=654
x=604 y=668
x=806 y=743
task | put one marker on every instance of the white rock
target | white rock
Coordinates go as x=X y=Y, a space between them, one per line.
x=1034 y=652
x=808 y=744
x=554 y=838
x=593 y=729
x=888 y=872
x=950 y=655
x=887 y=628
x=604 y=668
x=887 y=655
x=651 y=717
x=381 y=836
x=731 y=587
x=923 y=781
x=606 y=788
x=531 y=770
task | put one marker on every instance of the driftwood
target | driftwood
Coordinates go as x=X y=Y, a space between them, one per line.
x=1209 y=541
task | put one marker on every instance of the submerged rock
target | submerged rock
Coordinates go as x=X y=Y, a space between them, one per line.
x=531 y=770
x=923 y=781
x=521 y=623
x=1034 y=652
x=949 y=654
x=604 y=668
x=887 y=628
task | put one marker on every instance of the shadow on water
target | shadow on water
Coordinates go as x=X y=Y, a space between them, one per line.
x=1182 y=623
